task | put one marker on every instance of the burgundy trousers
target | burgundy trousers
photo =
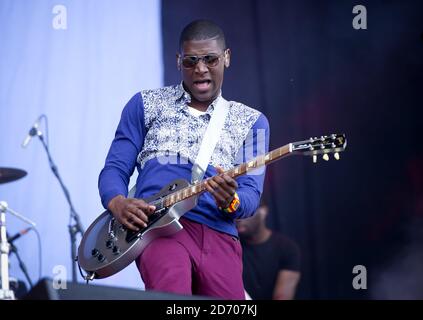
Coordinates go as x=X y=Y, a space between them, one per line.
x=196 y=260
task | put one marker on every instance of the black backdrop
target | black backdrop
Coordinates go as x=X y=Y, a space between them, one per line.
x=305 y=66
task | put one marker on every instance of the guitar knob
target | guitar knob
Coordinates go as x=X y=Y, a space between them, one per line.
x=116 y=250
x=326 y=157
x=336 y=156
x=314 y=158
x=95 y=252
x=109 y=243
x=101 y=258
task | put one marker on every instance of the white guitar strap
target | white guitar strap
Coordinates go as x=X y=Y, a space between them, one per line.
x=211 y=136
x=131 y=193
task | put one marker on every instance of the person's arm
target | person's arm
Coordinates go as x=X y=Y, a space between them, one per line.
x=120 y=164
x=121 y=158
x=289 y=269
x=249 y=186
x=286 y=285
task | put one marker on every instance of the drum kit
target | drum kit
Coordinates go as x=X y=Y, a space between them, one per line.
x=7 y=175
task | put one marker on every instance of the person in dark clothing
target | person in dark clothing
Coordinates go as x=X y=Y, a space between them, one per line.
x=271 y=260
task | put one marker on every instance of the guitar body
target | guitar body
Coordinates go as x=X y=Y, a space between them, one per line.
x=107 y=246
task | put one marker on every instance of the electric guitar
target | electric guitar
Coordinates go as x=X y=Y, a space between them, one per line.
x=107 y=246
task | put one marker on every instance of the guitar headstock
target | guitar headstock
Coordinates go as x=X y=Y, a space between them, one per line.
x=325 y=145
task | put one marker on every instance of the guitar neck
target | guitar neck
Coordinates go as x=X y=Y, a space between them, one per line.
x=259 y=161
x=239 y=170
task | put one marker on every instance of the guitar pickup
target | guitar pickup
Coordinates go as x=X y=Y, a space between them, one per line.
x=132 y=235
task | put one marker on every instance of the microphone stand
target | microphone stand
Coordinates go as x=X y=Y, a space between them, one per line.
x=74 y=226
x=5 y=292
x=21 y=263
x=5 y=247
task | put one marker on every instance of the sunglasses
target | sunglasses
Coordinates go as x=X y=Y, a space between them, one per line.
x=210 y=60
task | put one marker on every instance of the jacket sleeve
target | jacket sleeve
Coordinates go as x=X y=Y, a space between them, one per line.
x=250 y=185
x=121 y=158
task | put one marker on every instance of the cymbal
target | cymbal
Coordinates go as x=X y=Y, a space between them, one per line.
x=11 y=174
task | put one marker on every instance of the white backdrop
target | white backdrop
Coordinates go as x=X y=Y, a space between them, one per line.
x=78 y=64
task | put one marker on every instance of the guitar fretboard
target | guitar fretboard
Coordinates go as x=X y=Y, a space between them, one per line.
x=239 y=170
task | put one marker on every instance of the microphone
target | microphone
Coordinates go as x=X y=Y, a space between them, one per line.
x=32 y=132
x=18 y=235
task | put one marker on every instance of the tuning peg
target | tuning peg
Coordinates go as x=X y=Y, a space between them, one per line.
x=314 y=158
x=326 y=157
x=336 y=156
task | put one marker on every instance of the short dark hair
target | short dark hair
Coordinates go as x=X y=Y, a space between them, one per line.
x=202 y=30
